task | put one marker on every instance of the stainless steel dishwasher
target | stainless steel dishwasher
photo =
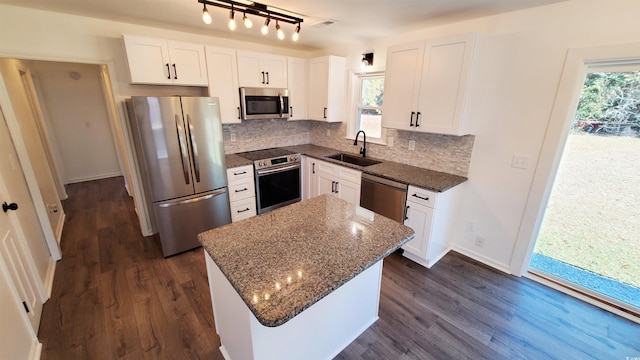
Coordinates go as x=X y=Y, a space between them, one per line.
x=383 y=196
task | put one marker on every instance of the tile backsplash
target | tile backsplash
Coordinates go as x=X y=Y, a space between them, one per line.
x=450 y=154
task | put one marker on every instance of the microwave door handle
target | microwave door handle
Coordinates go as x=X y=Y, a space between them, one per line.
x=194 y=148
x=183 y=150
x=281 y=104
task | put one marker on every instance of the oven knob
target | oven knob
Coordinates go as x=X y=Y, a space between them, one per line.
x=261 y=163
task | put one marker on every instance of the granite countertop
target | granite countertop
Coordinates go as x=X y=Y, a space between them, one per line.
x=407 y=174
x=234 y=160
x=284 y=261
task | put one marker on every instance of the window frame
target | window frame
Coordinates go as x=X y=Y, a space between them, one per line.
x=355 y=81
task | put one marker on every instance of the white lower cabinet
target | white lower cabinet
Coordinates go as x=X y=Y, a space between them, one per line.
x=338 y=180
x=309 y=178
x=242 y=192
x=432 y=216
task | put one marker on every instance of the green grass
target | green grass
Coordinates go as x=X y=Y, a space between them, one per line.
x=592 y=220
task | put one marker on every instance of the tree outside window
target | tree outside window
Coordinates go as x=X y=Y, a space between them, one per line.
x=369 y=117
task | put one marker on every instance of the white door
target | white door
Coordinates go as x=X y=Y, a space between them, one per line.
x=222 y=70
x=148 y=60
x=15 y=253
x=275 y=68
x=188 y=64
x=348 y=192
x=419 y=219
x=297 y=85
x=318 y=88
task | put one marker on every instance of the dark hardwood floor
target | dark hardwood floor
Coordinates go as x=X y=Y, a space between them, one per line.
x=115 y=296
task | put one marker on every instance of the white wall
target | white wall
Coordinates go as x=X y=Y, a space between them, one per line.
x=77 y=113
x=517 y=67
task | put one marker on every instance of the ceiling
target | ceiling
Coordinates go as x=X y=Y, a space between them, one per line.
x=353 y=20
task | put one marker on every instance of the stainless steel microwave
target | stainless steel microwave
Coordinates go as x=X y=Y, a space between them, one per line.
x=261 y=103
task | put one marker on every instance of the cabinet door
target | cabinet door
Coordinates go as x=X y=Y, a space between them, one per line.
x=336 y=89
x=249 y=74
x=297 y=85
x=275 y=69
x=222 y=71
x=326 y=184
x=188 y=64
x=309 y=178
x=445 y=77
x=318 y=88
x=402 y=85
x=148 y=60
x=348 y=191
x=419 y=218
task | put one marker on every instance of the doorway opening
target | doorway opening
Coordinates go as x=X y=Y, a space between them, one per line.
x=589 y=239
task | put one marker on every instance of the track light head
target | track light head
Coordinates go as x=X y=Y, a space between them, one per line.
x=279 y=31
x=265 y=27
x=247 y=22
x=296 y=34
x=232 y=20
x=206 y=17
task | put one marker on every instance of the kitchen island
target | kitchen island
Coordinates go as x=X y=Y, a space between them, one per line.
x=302 y=281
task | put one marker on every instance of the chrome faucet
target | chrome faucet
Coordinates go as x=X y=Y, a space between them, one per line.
x=363 y=149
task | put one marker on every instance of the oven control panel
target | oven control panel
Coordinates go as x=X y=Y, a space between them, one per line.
x=277 y=161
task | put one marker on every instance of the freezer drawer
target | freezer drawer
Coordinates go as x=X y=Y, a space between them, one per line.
x=181 y=220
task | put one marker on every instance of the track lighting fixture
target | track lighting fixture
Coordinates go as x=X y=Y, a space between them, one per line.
x=253 y=9
x=232 y=20
x=206 y=18
x=265 y=27
x=296 y=34
x=279 y=31
x=247 y=22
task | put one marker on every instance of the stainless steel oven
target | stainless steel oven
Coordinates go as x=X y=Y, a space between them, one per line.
x=277 y=175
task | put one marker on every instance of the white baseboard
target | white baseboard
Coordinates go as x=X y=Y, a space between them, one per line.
x=48 y=281
x=93 y=177
x=59 y=227
x=483 y=259
x=36 y=350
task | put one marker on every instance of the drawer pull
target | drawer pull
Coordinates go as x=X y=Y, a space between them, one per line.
x=241 y=211
x=240 y=173
x=241 y=190
x=420 y=197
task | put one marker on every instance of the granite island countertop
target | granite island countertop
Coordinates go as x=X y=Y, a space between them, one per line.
x=284 y=261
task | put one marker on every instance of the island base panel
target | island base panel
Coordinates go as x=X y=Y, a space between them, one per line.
x=321 y=331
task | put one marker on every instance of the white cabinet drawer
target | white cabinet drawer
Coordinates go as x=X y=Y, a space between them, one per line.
x=422 y=196
x=352 y=175
x=241 y=190
x=243 y=209
x=240 y=173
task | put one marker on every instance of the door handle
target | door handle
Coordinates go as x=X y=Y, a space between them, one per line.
x=168 y=71
x=241 y=211
x=183 y=150
x=406 y=212
x=267 y=78
x=418 y=118
x=239 y=112
x=313 y=168
x=194 y=148
x=6 y=207
x=325 y=113
x=412 y=114
x=426 y=198
x=290 y=111
x=241 y=190
x=263 y=77
x=175 y=72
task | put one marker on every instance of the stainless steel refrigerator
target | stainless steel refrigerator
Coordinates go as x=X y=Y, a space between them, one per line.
x=180 y=152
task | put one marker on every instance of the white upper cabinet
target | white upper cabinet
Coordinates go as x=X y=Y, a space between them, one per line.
x=261 y=70
x=165 y=62
x=327 y=77
x=297 y=85
x=223 y=81
x=426 y=84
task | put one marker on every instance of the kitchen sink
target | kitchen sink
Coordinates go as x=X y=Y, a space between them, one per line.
x=352 y=159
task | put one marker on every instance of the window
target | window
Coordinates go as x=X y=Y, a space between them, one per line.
x=368 y=93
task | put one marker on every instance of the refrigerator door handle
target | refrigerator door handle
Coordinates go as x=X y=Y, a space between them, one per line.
x=183 y=148
x=194 y=148
x=193 y=200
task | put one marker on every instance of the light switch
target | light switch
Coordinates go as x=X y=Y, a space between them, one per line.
x=412 y=144
x=232 y=136
x=520 y=161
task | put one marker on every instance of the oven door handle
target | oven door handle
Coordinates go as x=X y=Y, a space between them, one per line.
x=271 y=171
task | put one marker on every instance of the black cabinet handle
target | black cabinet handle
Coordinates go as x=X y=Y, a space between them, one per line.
x=240 y=173
x=325 y=113
x=6 y=207
x=337 y=183
x=313 y=168
x=290 y=111
x=239 y=112
x=241 y=211
x=420 y=197
x=406 y=212
x=263 y=77
x=175 y=72
x=418 y=118
x=412 y=114
x=168 y=71
x=267 y=77
x=241 y=190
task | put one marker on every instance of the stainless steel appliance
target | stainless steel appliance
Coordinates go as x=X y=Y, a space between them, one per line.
x=277 y=175
x=261 y=103
x=383 y=196
x=179 y=146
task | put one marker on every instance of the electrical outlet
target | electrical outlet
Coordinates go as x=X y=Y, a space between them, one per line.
x=520 y=161
x=233 y=136
x=52 y=208
x=412 y=145
x=328 y=132
x=480 y=241
x=390 y=141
